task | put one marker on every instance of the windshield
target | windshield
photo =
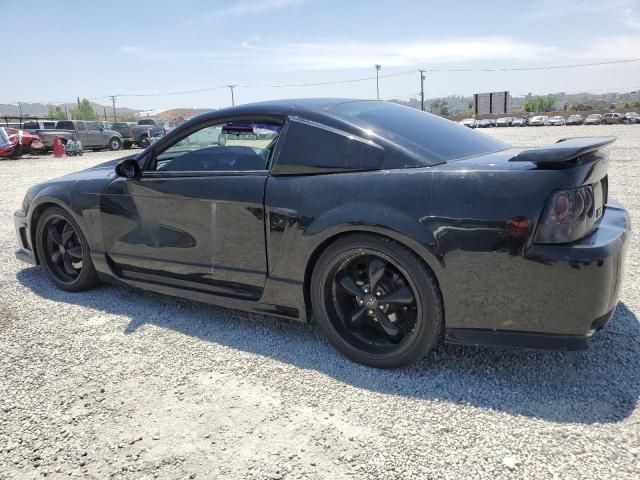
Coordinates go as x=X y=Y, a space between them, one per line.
x=432 y=138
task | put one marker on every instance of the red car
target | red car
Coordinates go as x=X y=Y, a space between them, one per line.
x=14 y=142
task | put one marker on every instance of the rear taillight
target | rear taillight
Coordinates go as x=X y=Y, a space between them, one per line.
x=569 y=215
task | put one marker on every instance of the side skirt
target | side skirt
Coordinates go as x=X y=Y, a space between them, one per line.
x=105 y=275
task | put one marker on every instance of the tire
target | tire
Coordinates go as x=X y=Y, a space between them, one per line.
x=115 y=144
x=87 y=277
x=603 y=122
x=127 y=145
x=426 y=316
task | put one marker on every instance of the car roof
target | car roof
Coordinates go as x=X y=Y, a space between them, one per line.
x=282 y=107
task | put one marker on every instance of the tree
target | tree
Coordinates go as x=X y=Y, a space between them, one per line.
x=54 y=113
x=527 y=106
x=444 y=109
x=544 y=103
x=84 y=111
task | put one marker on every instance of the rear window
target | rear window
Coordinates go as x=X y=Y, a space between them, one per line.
x=65 y=125
x=30 y=125
x=432 y=138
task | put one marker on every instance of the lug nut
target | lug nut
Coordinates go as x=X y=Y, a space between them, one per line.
x=370 y=312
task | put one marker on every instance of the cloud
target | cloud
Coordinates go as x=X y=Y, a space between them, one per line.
x=335 y=55
x=248 y=7
x=631 y=18
x=129 y=49
x=611 y=48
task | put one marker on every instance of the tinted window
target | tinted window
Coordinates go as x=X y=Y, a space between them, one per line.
x=65 y=125
x=312 y=148
x=232 y=146
x=80 y=126
x=30 y=125
x=435 y=139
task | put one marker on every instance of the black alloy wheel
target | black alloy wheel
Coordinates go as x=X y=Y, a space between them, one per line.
x=376 y=301
x=63 y=251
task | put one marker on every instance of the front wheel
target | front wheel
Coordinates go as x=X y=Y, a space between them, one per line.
x=115 y=144
x=376 y=301
x=63 y=251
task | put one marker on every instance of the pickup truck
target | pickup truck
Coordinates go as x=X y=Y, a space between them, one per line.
x=140 y=133
x=91 y=134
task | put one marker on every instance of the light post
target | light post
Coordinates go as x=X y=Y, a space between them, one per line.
x=231 y=87
x=378 y=67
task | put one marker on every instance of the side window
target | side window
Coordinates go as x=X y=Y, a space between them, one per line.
x=30 y=125
x=80 y=126
x=232 y=146
x=311 y=148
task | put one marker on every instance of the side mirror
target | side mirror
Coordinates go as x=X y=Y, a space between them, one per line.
x=128 y=168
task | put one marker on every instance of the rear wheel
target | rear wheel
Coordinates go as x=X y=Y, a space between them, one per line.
x=126 y=145
x=144 y=141
x=376 y=301
x=63 y=251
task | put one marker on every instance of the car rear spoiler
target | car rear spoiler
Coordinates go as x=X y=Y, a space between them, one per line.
x=563 y=150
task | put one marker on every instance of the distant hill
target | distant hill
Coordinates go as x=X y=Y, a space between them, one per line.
x=41 y=109
x=185 y=113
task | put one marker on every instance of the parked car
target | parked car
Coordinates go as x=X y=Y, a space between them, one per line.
x=15 y=142
x=32 y=126
x=146 y=130
x=633 y=117
x=593 y=119
x=468 y=122
x=486 y=123
x=519 y=122
x=90 y=134
x=504 y=122
x=539 y=121
x=557 y=120
x=575 y=119
x=613 y=118
x=391 y=238
x=125 y=129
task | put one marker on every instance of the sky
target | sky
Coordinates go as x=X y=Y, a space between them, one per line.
x=62 y=50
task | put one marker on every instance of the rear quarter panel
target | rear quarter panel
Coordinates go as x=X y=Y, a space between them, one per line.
x=470 y=224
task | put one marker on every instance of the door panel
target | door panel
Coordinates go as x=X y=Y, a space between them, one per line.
x=204 y=232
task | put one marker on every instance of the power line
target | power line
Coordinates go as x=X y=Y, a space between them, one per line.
x=368 y=78
x=523 y=69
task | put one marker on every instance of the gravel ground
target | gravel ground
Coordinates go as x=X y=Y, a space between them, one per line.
x=125 y=384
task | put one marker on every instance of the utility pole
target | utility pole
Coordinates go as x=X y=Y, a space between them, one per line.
x=378 y=67
x=66 y=115
x=422 y=77
x=113 y=102
x=20 y=107
x=104 y=109
x=231 y=87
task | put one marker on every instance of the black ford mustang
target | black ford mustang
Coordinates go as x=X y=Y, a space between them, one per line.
x=395 y=228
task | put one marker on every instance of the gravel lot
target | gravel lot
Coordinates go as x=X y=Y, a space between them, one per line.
x=125 y=384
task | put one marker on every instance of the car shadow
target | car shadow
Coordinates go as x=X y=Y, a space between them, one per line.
x=600 y=385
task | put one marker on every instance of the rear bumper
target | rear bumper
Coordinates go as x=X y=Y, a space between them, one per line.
x=554 y=297
x=25 y=249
